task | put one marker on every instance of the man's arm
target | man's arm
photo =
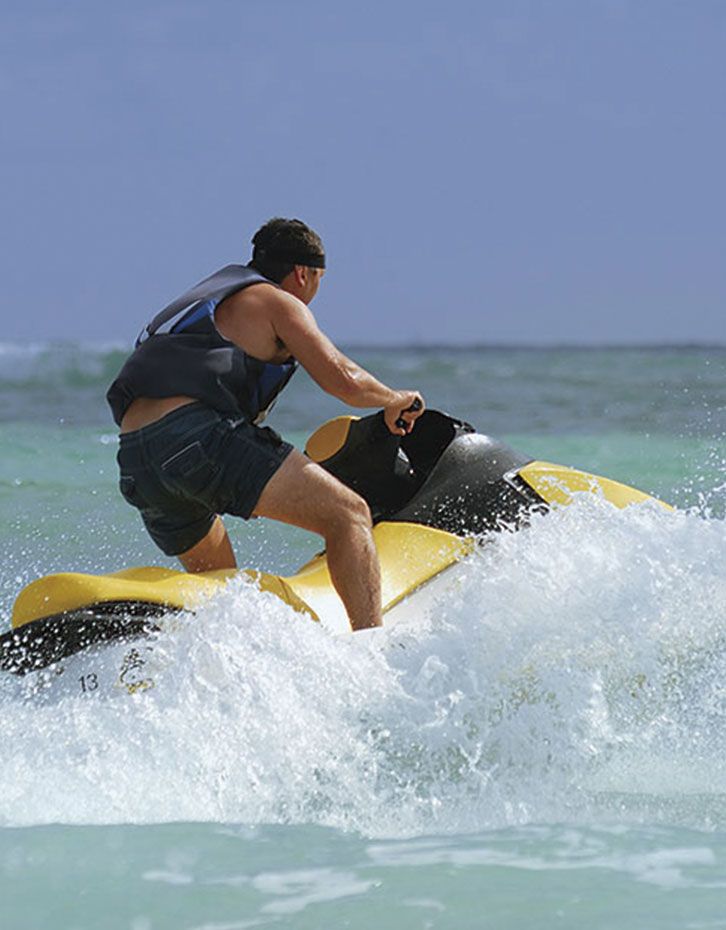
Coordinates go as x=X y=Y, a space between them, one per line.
x=337 y=374
x=294 y=326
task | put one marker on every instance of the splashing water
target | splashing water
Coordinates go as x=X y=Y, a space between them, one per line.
x=569 y=671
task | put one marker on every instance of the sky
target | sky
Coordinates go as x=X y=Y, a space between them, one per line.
x=488 y=172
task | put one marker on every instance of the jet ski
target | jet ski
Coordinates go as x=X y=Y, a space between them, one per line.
x=433 y=494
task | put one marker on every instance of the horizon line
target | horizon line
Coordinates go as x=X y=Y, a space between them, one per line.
x=113 y=344
x=536 y=345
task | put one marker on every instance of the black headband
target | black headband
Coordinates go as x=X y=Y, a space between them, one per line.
x=289 y=257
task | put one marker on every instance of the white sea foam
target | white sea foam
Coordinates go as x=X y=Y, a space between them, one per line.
x=572 y=669
x=14 y=350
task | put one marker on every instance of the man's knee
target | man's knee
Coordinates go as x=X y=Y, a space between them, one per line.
x=349 y=510
x=360 y=511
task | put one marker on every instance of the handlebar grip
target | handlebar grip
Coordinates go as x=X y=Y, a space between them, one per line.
x=416 y=405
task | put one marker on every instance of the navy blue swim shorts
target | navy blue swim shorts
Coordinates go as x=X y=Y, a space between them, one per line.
x=195 y=463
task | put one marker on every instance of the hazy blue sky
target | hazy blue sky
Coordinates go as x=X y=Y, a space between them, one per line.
x=492 y=172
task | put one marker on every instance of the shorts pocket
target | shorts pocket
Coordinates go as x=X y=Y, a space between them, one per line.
x=190 y=470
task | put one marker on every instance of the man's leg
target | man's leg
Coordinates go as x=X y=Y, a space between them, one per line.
x=305 y=495
x=212 y=552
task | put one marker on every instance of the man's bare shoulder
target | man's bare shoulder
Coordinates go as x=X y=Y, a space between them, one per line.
x=261 y=298
x=259 y=293
x=252 y=318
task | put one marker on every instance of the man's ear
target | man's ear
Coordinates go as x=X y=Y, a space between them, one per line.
x=301 y=275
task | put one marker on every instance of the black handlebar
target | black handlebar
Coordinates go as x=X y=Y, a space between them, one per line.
x=416 y=405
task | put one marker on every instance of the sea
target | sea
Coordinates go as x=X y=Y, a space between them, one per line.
x=544 y=746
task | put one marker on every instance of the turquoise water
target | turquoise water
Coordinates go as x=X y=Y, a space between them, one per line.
x=543 y=748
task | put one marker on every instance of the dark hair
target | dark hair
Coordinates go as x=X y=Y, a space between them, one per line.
x=281 y=244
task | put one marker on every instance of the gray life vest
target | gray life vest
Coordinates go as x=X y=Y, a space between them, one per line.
x=181 y=352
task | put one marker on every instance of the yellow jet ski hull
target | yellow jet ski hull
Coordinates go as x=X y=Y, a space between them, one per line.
x=410 y=556
x=431 y=493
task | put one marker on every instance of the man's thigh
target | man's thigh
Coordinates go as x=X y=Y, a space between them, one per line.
x=304 y=494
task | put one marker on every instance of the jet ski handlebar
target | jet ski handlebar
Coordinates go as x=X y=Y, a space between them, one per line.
x=416 y=405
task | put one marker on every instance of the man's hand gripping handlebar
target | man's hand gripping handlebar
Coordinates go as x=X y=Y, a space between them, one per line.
x=403 y=412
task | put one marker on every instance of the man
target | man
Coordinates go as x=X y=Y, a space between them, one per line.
x=190 y=398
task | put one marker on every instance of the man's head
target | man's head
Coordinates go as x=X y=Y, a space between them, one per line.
x=291 y=254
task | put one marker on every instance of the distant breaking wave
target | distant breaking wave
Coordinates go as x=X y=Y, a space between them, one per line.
x=505 y=392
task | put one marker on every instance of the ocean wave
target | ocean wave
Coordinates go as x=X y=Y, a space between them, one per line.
x=503 y=392
x=34 y=349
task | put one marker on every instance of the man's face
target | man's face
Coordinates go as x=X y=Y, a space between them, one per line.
x=315 y=276
x=303 y=282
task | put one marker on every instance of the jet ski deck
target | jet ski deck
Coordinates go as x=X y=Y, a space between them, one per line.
x=431 y=493
x=56 y=616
